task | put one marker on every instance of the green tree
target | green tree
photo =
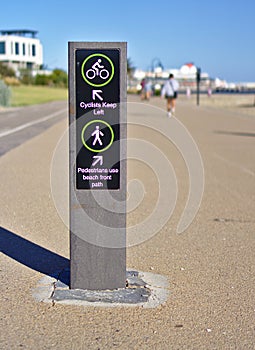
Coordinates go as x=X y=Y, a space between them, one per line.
x=42 y=79
x=59 y=77
x=130 y=67
x=6 y=71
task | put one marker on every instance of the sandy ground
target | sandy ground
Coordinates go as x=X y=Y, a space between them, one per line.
x=210 y=267
x=239 y=103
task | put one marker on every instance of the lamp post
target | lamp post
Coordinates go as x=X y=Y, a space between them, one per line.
x=157 y=69
x=156 y=63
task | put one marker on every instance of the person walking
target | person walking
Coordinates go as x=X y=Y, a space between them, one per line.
x=148 y=90
x=170 y=92
x=143 y=94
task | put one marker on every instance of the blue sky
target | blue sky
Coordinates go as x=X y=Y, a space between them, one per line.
x=216 y=35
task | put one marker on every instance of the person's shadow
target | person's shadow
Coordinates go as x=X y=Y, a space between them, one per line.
x=32 y=255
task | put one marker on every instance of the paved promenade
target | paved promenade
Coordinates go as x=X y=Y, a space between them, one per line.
x=210 y=266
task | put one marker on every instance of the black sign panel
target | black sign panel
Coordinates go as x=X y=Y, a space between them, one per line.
x=97 y=119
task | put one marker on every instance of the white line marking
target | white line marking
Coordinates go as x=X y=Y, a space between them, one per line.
x=27 y=125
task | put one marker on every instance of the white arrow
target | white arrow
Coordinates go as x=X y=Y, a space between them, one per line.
x=95 y=93
x=97 y=159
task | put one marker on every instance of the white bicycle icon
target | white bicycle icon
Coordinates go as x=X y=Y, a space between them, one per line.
x=97 y=70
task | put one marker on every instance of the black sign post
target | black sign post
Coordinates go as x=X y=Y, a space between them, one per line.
x=198 y=77
x=97 y=119
x=98 y=104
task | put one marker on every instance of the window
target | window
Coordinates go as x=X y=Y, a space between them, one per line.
x=24 y=49
x=16 y=48
x=2 y=47
x=33 y=50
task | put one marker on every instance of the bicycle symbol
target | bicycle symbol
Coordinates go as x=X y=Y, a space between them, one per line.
x=97 y=70
x=98 y=73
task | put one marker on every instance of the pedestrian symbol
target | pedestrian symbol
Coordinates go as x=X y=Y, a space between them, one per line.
x=97 y=70
x=97 y=133
x=97 y=136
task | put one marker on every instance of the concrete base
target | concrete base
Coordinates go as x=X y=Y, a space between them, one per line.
x=142 y=289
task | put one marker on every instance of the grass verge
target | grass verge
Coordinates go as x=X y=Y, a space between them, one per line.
x=25 y=95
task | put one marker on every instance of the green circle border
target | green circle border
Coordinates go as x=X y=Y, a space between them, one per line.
x=97 y=121
x=84 y=62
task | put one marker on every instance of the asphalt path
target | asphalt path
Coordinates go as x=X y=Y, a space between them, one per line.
x=18 y=125
x=210 y=266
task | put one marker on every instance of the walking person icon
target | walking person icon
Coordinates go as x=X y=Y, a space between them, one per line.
x=97 y=133
x=97 y=136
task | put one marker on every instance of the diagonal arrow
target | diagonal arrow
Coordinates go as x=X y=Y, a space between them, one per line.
x=95 y=93
x=97 y=159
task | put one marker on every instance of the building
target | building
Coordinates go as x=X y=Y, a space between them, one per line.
x=20 y=49
x=186 y=76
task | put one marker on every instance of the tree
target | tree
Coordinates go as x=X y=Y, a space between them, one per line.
x=130 y=67
x=6 y=71
x=42 y=79
x=59 y=77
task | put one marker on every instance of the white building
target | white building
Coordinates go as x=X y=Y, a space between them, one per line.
x=20 y=49
x=187 y=71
